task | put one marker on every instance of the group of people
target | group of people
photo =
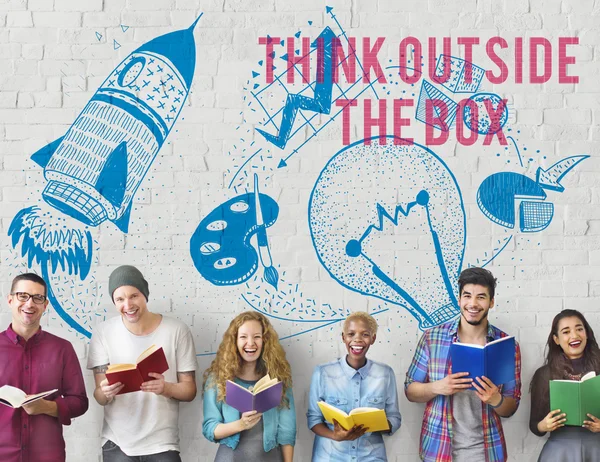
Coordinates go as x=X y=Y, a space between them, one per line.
x=461 y=423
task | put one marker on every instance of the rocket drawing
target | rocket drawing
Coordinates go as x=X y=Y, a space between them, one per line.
x=95 y=169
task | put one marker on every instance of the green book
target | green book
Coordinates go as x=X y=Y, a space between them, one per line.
x=576 y=398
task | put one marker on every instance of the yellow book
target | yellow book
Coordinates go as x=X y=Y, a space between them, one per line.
x=373 y=419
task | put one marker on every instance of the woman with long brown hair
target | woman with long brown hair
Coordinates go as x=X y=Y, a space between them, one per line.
x=249 y=350
x=572 y=351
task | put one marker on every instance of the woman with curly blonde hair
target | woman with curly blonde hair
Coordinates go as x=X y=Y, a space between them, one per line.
x=249 y=350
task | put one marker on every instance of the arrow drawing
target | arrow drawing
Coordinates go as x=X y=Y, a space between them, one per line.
x=550 y=178
x=319 y=103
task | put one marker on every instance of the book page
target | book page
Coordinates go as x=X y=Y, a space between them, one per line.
x=360 y=410
x=12 y=395
x=589 y=375
x=263 y=386
x=259 y=384
x=120 y=367
x=147 y=352
x=503 y=339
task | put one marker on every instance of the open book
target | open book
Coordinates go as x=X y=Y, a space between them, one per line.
x=133 y=375
x=576 y=398
x=15 y=397
x=371 y=418
x=265 y=395
x=495 y=360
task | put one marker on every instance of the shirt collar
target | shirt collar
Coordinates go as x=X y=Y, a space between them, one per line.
x=350 y=372
x=15 y=338
x=453 y=329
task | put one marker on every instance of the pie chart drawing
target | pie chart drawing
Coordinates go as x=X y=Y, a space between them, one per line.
x=504 y=196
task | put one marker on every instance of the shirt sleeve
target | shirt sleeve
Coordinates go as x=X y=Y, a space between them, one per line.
x=313 y=414
x=213 y=414
x=97 y=353
x=540 y=405
x=186 y=351
x=286 y=430
x=417 y=371
x=392 y=409
x=73 y=401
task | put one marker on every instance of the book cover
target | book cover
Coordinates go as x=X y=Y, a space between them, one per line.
x=576 y=398
x=265 y=395
x=371 y=418
x=15 y=397
x=495 y=360
x=133 y=375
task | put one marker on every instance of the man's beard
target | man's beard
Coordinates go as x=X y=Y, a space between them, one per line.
x=475 y=323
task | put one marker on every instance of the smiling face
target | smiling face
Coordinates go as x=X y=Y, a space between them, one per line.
x=250 y=341
x=475 y=303
x=571 y=337
x=358 y=338
x=26 y=315
x=131 y=303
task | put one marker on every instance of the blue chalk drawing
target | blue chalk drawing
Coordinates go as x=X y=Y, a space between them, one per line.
x=124 y=28
x=457 y=82
x=45 y=241
x=428 y=95
x=361 y=245
x=98 y=36
x=319 y=103
x=485 y=123
x=221 y=248
x=116 y=45
x=550 y=178
x=501 y=192
x=94 y=170
x=301 y=114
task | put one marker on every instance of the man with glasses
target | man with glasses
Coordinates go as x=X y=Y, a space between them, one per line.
x=36 y=361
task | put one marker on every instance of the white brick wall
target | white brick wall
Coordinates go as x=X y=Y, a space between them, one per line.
x=51 y=64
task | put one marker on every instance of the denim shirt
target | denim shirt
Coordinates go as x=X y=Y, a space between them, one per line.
x=373 y=385
x=279 y=424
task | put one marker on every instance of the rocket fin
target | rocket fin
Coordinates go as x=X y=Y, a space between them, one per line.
x=113 y=177
x=42 y=156
x=123 y=222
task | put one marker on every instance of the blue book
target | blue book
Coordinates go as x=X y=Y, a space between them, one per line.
x=495 y=360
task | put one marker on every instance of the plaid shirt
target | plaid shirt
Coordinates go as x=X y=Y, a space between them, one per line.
x=432 y=362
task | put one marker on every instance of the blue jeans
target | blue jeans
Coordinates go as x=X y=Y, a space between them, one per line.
x=112 y=453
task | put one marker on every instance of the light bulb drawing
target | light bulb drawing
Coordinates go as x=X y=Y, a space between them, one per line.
x=405 y=242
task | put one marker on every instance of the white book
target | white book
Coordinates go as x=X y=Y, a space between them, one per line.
x=15 y=397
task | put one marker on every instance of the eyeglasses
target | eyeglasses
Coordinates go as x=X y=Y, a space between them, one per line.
x=24 y=296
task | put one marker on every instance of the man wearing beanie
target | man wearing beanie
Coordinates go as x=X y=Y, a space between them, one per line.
x=141 y=425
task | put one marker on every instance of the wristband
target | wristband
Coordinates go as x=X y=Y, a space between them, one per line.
x=500 y=403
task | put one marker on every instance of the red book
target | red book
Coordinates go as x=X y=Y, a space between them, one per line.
x=133 y=375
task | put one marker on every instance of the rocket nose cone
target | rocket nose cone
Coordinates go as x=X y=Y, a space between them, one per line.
x=192 y=27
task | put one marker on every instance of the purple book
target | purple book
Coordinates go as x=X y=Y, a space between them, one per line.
x=267 y=397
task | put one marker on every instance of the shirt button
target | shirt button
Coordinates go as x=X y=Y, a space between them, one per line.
x=24 y=426
x=356 y=400
x=353 y=447
x=26 y=367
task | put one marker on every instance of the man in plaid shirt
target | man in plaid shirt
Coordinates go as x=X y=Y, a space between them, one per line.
x=462 y=425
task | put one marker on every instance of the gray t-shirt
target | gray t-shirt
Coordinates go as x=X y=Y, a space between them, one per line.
x=467 y=427
x=142 y=423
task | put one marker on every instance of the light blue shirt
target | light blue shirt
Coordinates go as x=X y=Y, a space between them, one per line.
x=279 y=424
x=336 y=383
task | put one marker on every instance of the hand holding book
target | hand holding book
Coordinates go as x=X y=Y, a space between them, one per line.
x=340 y=434
x=553 y=420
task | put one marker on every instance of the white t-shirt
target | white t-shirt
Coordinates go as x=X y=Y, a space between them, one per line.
x=142 y=423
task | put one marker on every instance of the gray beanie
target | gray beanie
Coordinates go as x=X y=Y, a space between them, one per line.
x=127 y=275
